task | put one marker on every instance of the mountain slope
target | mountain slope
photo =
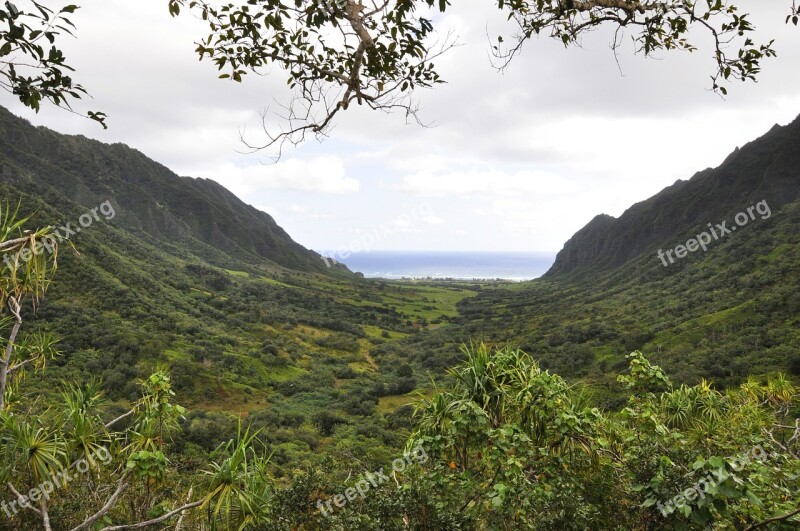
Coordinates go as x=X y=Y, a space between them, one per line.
x=726 y=314
x=766 y=169
x=198 y=213
x=187 y=277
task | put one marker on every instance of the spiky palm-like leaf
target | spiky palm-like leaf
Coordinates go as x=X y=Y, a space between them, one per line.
x=36 y=450
x=29 y=265
x=84 y=431
x=239 y=484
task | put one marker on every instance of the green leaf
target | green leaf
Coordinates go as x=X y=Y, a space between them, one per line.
x=729 y=492
x=753 y=498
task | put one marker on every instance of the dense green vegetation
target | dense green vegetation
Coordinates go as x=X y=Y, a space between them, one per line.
x=295 y=381
x=281 y=350
x=325 y=422
x=249 y=323
x=516 y=447
x=723 y=315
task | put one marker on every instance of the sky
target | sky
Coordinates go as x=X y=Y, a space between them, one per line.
x=516 y=161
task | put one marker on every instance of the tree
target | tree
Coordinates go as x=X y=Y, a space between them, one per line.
x=376 y=53
x=515 y=447
x=32 y=66
x=326 y=422
x=29 y=258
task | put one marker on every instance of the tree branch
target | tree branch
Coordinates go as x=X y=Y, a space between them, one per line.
x=19 y=497
x=45 y=514
x=122 y=484
x=20 y=365
x=773 y=520
x=180 y=520
x=128 y=414
x=154 y=521
x=6 y=361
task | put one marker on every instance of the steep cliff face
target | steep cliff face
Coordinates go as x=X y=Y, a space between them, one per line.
x=148 y=196
x=584 y=245
x=765 y=169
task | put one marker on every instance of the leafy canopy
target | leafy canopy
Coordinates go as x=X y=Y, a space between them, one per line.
x=32 y=65
x=375 y=53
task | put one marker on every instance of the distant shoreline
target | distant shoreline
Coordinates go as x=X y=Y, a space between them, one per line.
x=452 y=279
x=457 y=266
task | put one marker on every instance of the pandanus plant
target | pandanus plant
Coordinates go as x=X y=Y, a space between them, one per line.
x=26 y=269
x=239 y=484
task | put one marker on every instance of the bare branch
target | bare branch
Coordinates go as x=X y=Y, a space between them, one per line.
x=45 y=514
x=155 y=521
x=20 y=365
x=122 y=484
x=20 y=497
x=180 y=520
x=128 y=414
x=773 y=520
x=6 y=360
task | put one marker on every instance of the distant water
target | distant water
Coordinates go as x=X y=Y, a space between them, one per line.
x=457 y=265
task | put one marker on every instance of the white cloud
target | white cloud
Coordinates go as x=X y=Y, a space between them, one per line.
x=324 y=174
x=297 y=209
x=436 y=182
x=518 y=161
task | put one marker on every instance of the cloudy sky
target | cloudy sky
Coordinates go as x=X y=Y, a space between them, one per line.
x=518 y=161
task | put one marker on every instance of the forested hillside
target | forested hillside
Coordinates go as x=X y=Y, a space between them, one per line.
x=723 y=313
x=179 y=273
x=765 y=169
x=298 y=380
x=198 y=214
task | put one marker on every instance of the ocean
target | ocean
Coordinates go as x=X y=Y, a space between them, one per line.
x=444 y=264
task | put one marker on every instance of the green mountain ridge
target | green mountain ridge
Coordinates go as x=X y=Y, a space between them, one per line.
x=150 y=198
x=186 y=276
x=724 y=314
x=764 y=169
x=324 y=364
